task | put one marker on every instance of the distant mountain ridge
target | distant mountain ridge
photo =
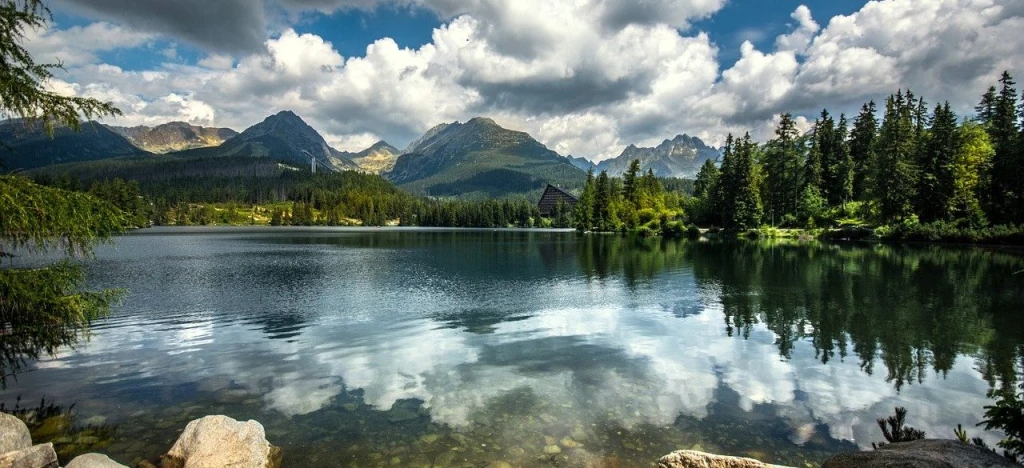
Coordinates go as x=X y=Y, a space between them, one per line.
x=681 y=156
x=377 y=159
x=29 y=146
x=479 y=158
x=174 y=136
x=285 y=137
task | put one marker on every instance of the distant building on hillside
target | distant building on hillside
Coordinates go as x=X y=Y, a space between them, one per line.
x=553 y=195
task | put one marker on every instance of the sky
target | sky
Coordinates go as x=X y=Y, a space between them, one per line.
x=584 y=77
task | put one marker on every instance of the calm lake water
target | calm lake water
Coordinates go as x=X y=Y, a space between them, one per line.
x=413 y=347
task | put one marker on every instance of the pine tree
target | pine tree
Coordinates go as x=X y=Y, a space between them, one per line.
x=707 y=179
x=782 y=171
x=602 y=203
x=584 y=213
x=935 y=183
x=862 y=154
x=837 y=175
x=896 y=171
x=724 y=197
x=630 y=184
x=747 y=209
x=1006 y=194
x=986 y=109
x=813 y=163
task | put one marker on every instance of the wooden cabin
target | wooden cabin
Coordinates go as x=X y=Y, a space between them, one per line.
x=553 y=195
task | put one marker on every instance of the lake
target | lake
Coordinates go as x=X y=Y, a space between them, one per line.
x=460 y=348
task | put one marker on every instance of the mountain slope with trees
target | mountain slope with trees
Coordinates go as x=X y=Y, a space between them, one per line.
x=30 y=144
x=479 y=159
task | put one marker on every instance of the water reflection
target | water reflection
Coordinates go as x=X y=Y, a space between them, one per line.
x=481 y=345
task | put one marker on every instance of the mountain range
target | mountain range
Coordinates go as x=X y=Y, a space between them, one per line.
x=174 y=136
x=479 y=158
x=680 y=157
x=27 y=146
x=475 y=159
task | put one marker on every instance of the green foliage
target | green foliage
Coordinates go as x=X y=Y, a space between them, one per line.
x=969 y=166
x=944 y=231
x=862 y=150
x=811 y=207
x=22 y=93
x=896 y=171
x=894 y=429
x=741 y=207
x=38 y=218
x=43 y=309
x=1005 y=197
x=936 y=183
x=1007 y=415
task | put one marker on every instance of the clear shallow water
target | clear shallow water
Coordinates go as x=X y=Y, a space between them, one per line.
x=413 y=347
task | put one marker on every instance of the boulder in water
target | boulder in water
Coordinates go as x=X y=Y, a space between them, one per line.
x=937 y=453
x=222 y=442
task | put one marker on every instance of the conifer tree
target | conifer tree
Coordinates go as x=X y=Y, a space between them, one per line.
x=837 y=177
x=707 y=179
x=896 y=171
x=747 y=209
x=862 y=154
x=935 y=183
x=630 y=182
x=986 y=109
x=782 y=171
x=602 y=203
x=813 y=162
x=725 y=190
x=584 y=212
x=1005 y=196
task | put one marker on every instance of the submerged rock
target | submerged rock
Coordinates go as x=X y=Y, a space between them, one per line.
x=695 y=459
x=36 y=456
x=921 y=453
x=222 y=442
x=94 y=460
x=552 y=450
x=14 y=434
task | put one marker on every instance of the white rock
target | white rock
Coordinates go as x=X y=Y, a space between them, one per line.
x=222 y=442
x=695 y=459
x=94 y=460
x=14 y=434
x=37 y=456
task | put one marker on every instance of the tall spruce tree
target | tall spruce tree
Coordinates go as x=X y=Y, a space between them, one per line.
x=584 y=211
x=837 y=176
x=602 y=203
x=862 y=150
x=896 y=148
x=724 y=197
x=740 y=203
x=1005 y=197
x=935 y=182
x=707 y=179
x=747 y=208
x=813 y=163
x=986 y=109
x=782 y=171
x=631 y=183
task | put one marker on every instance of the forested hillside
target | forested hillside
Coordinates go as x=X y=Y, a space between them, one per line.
x=919 y=172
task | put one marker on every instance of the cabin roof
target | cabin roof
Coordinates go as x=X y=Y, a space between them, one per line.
x=552 y=195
